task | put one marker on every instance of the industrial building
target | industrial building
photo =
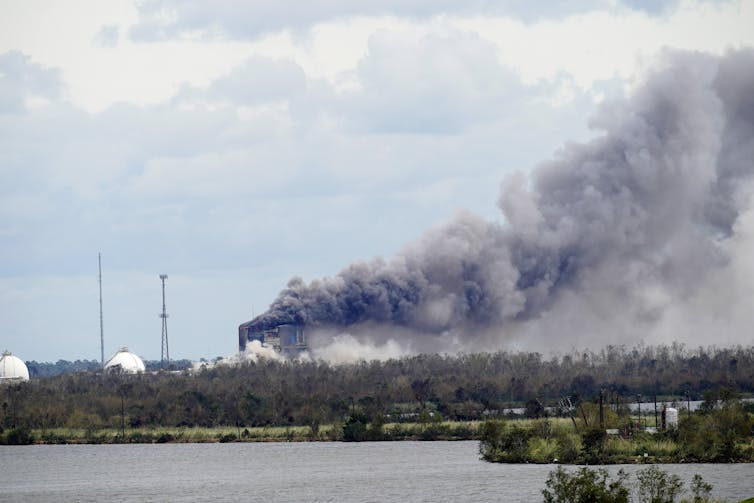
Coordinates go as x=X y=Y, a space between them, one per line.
x=12 y=369
x=289 y=340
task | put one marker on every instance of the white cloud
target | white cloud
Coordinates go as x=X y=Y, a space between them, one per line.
x=159 y=19
x=600 y=45
x=592 y=43
x=23 y=83
x=259 y=80
x=108 y=36
x=405 y=84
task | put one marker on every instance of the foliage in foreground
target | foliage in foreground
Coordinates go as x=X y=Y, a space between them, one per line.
x=585 y=486
x=653 y=485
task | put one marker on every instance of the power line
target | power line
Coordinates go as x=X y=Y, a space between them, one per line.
x=101 y=323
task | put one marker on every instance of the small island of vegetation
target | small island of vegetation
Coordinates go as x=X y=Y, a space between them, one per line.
x=720 y=431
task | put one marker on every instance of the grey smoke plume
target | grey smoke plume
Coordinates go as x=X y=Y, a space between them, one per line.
x=613 y=238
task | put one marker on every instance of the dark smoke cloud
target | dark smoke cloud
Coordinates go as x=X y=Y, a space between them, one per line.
x=616 y=229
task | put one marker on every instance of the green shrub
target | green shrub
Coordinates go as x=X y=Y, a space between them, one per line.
x=355 y=428
x=700 y=489
x=506 y=443
x=542 y=450
x=375 y=429
x=462 y=432
x=138 y=437
x=435 y=431
x=657 y=486
x=164 y=438
x=53 y=438
x=19 y=436
x=568 y=447
x=490 y=434
x=593 y=441
x=585 y=486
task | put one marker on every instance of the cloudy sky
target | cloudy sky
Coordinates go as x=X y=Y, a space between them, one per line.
x=234 y=145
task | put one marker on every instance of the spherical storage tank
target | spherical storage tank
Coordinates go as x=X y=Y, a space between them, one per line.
x=12 y=368
x=124 y=361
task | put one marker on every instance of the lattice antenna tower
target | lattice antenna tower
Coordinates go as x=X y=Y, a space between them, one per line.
x=165 y=354
x=101 y=323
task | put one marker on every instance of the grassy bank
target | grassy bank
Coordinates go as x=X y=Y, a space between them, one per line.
x=570 y=448
x=170 y=435
x=446 y=430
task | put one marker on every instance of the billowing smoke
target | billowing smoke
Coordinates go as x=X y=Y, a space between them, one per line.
x=639 y=234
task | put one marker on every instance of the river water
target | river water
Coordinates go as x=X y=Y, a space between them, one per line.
x=338 y=472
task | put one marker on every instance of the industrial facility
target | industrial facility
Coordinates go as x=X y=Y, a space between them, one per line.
x=288 y=340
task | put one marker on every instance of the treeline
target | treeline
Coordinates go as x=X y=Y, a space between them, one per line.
x=49 y=369
x=465 y=387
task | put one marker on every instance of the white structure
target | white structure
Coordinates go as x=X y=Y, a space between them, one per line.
x=124 y=361
x=12 y=368
x=671 y=418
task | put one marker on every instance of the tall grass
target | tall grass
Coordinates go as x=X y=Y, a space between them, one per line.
x=451 y=430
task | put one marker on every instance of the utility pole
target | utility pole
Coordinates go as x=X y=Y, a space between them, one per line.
x=602 y=413
x=101 y=324
x=688 y=402
x=655 y=409
x=123 y=416
x=165 y=353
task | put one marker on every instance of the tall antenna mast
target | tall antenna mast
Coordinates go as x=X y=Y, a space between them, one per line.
x=101 y=324
x=165 y=355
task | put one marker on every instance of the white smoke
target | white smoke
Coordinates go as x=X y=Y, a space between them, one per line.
x=347 y=348
x=254 y=352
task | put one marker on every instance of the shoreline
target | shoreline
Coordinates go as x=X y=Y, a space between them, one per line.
x=391 y=432
x=398 y=432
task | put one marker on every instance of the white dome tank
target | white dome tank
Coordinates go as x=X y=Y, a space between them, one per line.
x=12 y=368
x=125 y=361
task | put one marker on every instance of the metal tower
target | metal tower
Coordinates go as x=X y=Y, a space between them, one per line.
x=165 y=355
x=101 y=324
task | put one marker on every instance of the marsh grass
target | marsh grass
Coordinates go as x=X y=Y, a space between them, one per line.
x=445 y=430
x=542 y=450
x=632 y=450
x=177 y=435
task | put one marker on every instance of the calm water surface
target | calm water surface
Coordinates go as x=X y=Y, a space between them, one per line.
x=380 y=471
